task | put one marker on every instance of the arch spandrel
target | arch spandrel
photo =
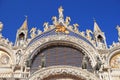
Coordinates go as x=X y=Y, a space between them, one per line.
x=81 y=44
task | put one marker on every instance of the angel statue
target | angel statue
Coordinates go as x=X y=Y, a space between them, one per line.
x=88 y=32
x=32 y=31
x=118 y=28
x=85 y=62
x=67 y=21
x=45 y=26
x=75 y=27
x=60 y=10
x=1 y=26
x=54 y=18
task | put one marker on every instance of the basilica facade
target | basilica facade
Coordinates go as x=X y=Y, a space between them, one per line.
x=60 y=52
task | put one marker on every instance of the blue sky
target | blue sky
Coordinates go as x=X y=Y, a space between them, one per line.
x=106 y=13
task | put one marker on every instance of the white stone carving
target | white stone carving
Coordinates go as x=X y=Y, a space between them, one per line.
x=89 y=50
x=33 y=32
x=57 y=70
x=45 y=25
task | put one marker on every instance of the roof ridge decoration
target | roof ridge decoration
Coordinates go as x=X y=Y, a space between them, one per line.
x=116 y=44
x=61 y=25
x=2 y=39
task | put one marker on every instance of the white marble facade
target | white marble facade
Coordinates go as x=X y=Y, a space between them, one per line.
x=16 y=59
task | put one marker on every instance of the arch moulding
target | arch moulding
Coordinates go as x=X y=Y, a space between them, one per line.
x=9 y=52
x=87 y=48
x=111 y=54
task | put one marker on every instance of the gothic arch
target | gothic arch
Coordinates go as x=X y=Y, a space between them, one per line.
x=79 y=73
x=81 y=44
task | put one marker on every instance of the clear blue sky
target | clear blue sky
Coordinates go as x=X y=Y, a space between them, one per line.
x=106 y=13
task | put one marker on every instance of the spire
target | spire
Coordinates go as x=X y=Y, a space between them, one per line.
x=24 y=25
x=96 y=27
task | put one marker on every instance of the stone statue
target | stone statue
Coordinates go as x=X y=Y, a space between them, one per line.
x=45 y=26
x=88 y=32
x=43 y=60
x=28 y=62
x=98 y=64
x=67 y=21
x=75 y=27
x=54 y=18
x=118 y=28
x=60 y=10
x=32 y=31
x=1 y=26
x=18 y=57
x=85 y=62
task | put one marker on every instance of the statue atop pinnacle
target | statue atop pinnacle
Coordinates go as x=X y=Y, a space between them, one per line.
x=60 y=10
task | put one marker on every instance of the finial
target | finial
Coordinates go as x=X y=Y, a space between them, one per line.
x=60 y=10
x=24 y=25
x=1 y=26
